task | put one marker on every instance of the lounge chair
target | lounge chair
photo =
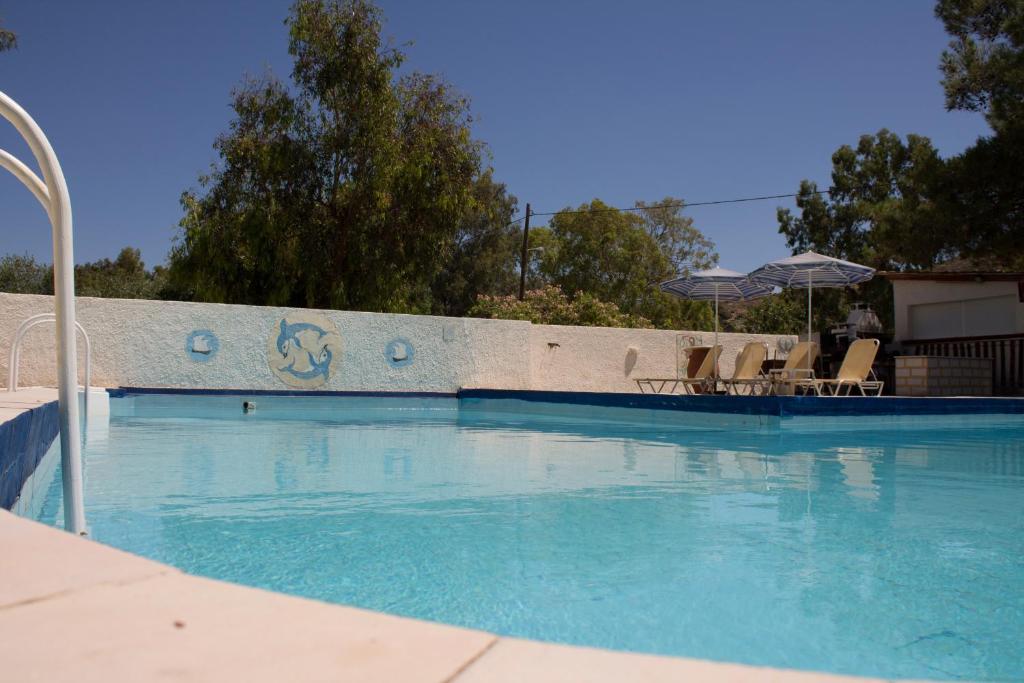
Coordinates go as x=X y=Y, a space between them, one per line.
x=854 y=372
x=705 y=379
x=701 y=381
x=748 y=370
x=799 y=368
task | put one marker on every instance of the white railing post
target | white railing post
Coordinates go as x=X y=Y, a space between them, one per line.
x=54 y=190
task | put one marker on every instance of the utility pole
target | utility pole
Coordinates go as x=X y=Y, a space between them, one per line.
x=525 y=255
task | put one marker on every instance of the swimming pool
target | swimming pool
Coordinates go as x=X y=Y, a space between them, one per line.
x=848 y=545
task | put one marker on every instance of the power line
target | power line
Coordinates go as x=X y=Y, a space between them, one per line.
x=672 y=205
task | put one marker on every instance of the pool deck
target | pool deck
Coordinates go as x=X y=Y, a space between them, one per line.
x=72 y=609
x=13 y=404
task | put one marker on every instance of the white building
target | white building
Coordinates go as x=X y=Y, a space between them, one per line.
x=959 y=319
x=932 y=306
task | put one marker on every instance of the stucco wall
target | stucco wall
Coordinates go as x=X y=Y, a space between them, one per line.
x=143 y=343
x=609 y=359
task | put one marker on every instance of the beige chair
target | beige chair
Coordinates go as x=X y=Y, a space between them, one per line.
x=747 y=373
x=854 y=372
x=705 y=379
x=798 y=369
x=671 y=385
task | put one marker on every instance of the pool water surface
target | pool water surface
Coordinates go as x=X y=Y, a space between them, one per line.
x=871 y=550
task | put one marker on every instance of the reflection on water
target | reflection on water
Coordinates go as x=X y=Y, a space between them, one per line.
x=878 y=552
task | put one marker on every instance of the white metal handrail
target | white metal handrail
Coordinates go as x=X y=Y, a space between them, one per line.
x=52 y=192
x=14 y=358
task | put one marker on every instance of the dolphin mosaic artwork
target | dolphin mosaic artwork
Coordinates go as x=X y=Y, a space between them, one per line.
x=304 y=349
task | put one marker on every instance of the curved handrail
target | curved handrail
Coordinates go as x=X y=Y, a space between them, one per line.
x=57 y=203
x=26 y=176
x=14 y=357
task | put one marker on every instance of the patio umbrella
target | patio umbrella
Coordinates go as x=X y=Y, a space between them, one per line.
x=716 y=284
x=809 y=270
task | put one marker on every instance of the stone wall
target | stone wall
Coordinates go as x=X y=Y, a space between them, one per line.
x=943 y=376
x=176 y=344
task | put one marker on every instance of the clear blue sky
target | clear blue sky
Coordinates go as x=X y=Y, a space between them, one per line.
x=622 y=101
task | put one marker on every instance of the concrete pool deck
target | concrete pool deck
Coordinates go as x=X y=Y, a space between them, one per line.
x=75 y=609
x=14 y=403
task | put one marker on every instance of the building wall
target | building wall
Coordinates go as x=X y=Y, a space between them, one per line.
x=965 y=312
x=144 y=343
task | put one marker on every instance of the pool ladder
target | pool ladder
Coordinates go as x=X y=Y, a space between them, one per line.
x=15 y=355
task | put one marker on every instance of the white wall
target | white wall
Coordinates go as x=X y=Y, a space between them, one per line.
x=956 y=309
x=142 y=343
x=600 y=358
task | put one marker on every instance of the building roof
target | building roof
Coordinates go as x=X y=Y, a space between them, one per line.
x=953 y=276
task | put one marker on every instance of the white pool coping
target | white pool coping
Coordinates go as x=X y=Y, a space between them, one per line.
x=72 y=609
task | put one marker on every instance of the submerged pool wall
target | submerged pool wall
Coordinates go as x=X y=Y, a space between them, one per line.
x=24 y=441
x=179 y=344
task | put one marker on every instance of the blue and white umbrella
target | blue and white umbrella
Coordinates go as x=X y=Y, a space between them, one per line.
x=716 y=284
x=809 y=270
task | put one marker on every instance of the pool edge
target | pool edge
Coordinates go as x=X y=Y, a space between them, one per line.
x=113 y=611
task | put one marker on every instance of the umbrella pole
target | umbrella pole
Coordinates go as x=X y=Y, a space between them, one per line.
x=810 y=289
x=714 y=349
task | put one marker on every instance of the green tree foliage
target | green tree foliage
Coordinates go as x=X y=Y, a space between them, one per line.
x=884 y=209
x=354 y=188
x=981 y=197
x=22 y=274
x=983 y=68
x=685 y=247
x=983 y=71
x=783 y=313
x=550 y=306
x=125 y=277
x=620 y=257
x=882 y=191
x=484 y=258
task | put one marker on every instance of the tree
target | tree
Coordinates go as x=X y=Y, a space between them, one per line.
x=125 y=277
x=983 y=69
x=349 y=190
x=884 y=209
x=896 y=205
x=484 y=258
x=24 y=275
x=882 y=191
x=612 y=255
x=982 y=197
x=783 y=313
x=685 y=246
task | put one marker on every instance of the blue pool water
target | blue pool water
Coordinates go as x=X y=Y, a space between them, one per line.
x=864 y=549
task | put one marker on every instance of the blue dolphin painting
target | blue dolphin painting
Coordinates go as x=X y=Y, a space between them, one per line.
x=289 y=345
